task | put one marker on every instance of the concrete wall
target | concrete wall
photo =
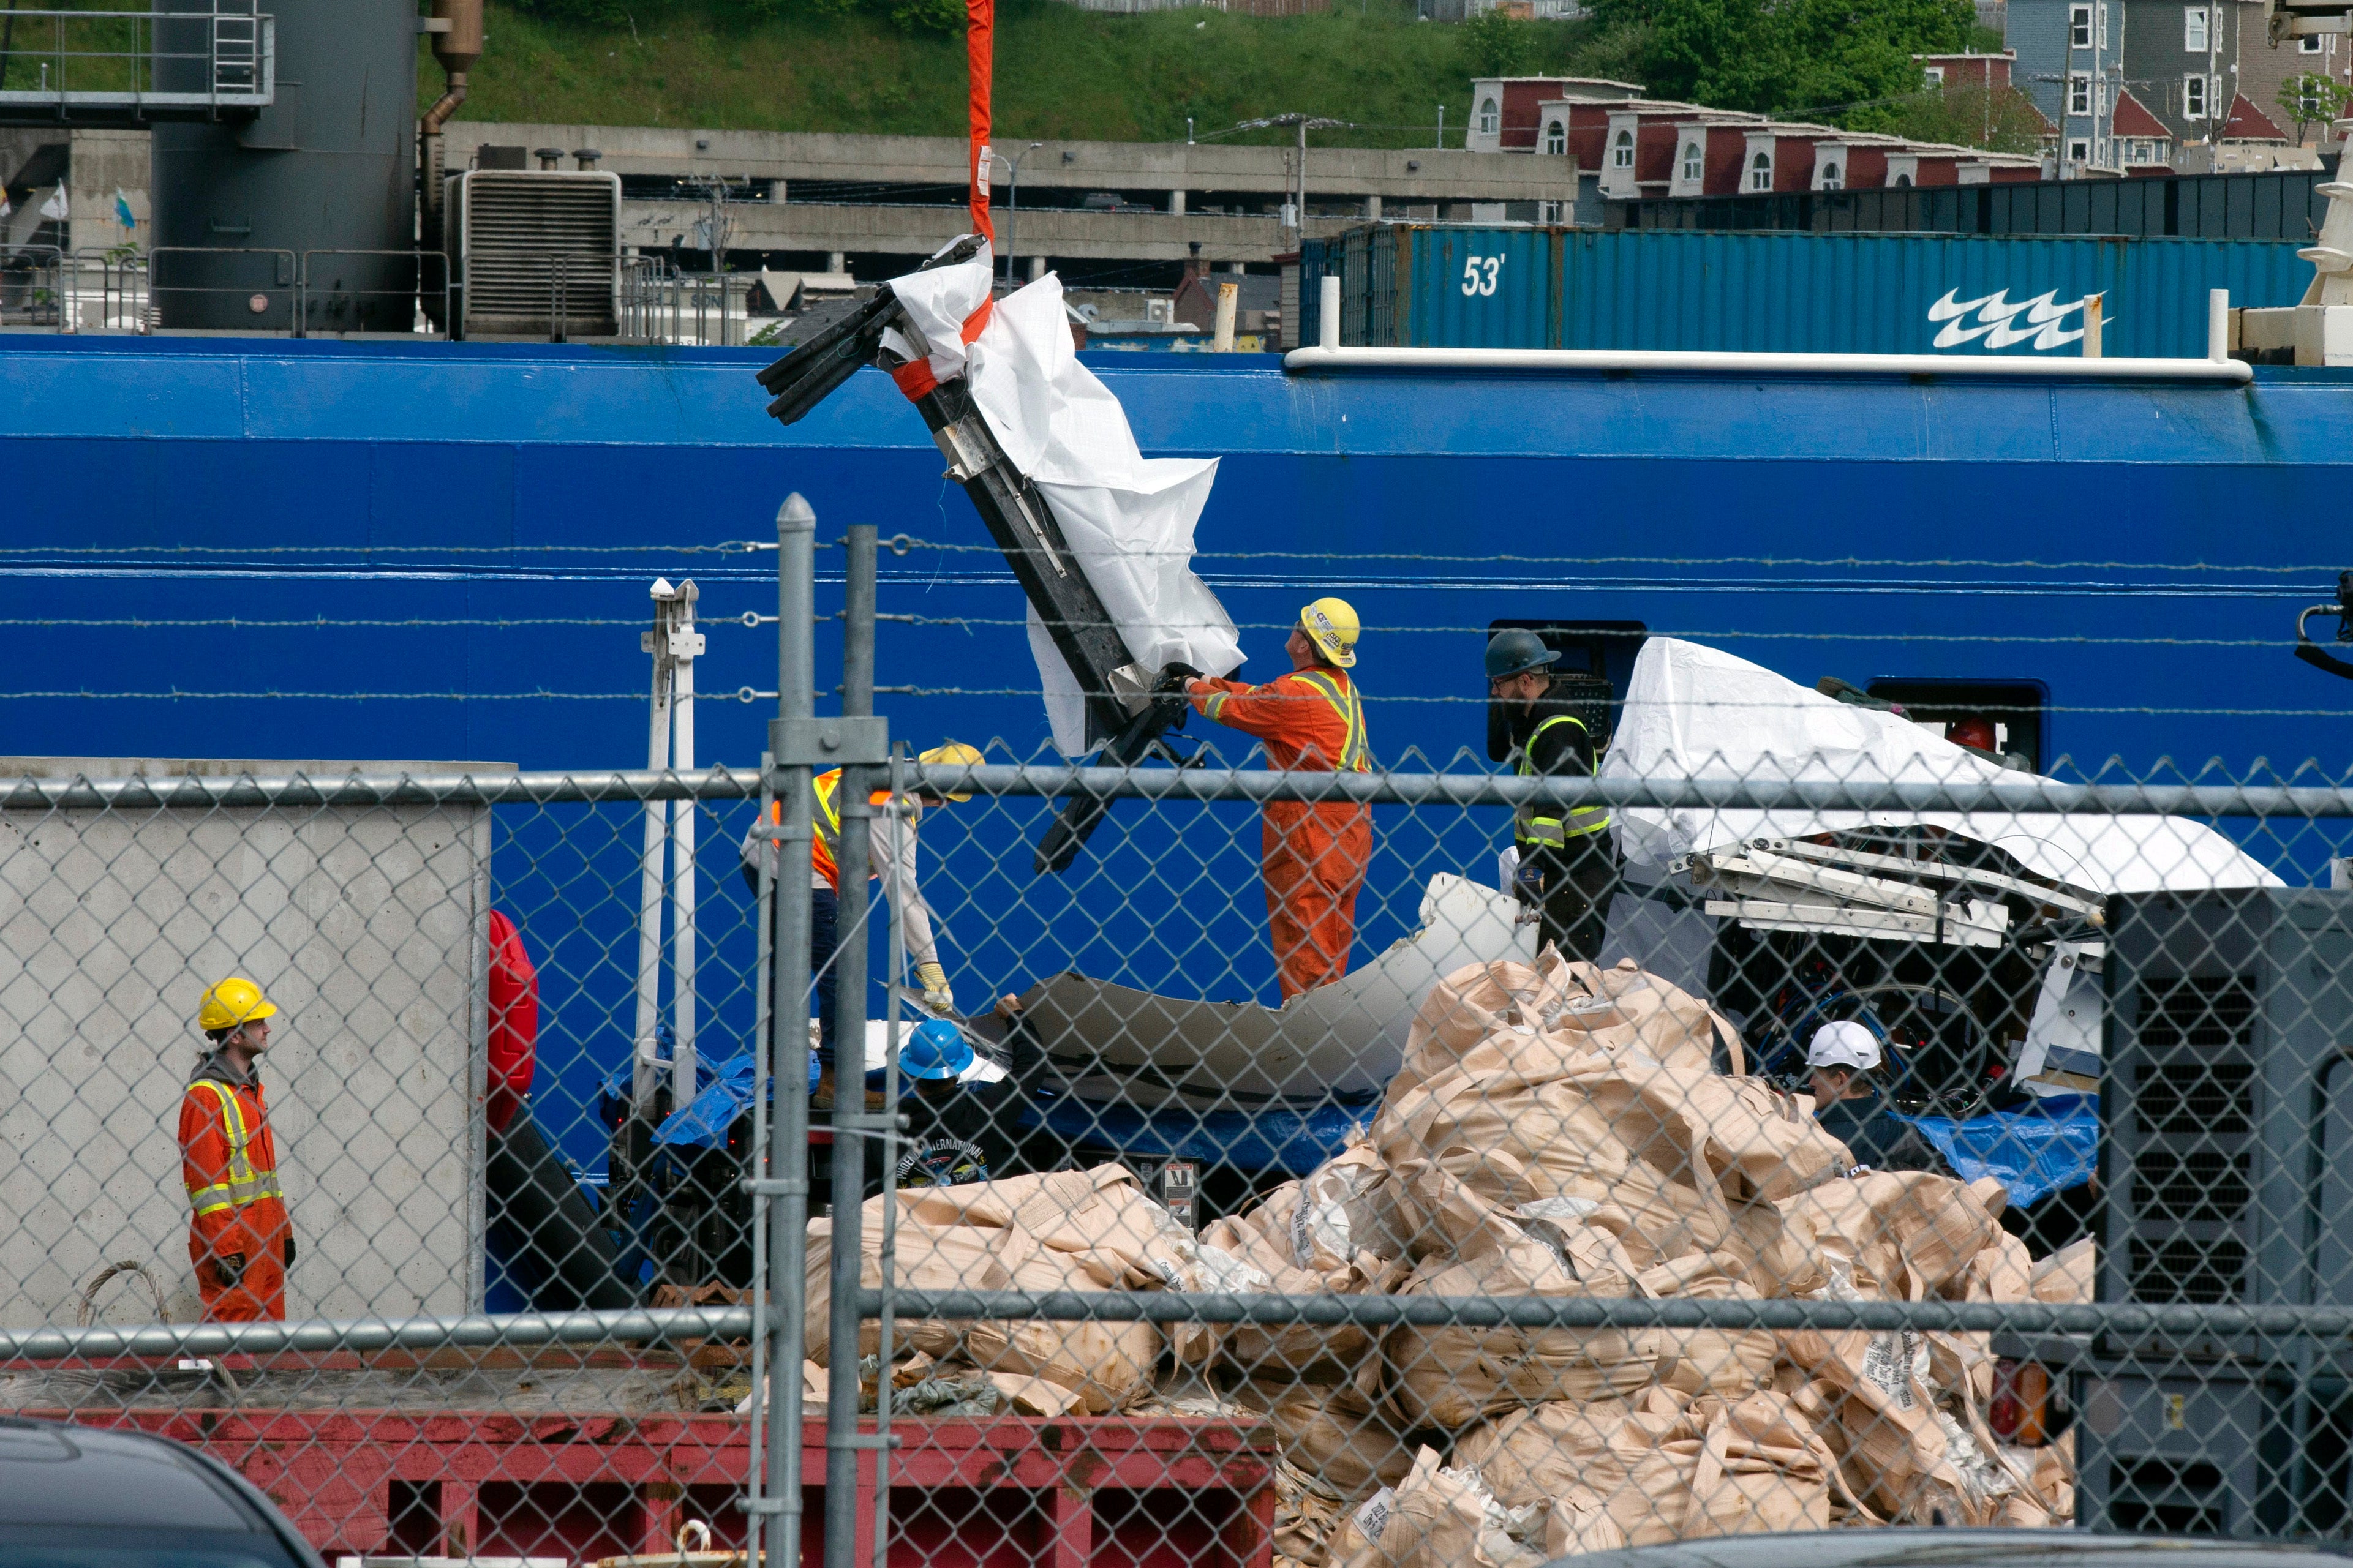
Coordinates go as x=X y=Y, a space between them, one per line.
x=105 y=162
x=364 y=926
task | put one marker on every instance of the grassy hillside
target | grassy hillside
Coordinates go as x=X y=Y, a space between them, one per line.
x=1061 y=72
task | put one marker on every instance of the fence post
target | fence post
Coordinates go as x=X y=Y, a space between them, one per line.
x=851 y=855
x=785 y=1198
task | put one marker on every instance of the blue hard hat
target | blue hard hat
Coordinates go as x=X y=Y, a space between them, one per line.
x=1515 y=651
x=936 y=1050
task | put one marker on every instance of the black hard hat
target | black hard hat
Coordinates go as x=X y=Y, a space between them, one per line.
x=1516 y=652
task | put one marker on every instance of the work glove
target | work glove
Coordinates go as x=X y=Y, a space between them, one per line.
x=936 y=994
x=230 y=1267
x=1527 y=888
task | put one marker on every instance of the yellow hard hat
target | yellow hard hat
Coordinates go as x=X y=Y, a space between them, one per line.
x=952 y=754
x=234 y=1001
x=1332 y=626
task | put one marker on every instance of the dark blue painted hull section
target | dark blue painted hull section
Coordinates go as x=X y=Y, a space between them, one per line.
x=1869 y=529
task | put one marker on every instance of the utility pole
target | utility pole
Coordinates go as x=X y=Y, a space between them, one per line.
x=1305 y=122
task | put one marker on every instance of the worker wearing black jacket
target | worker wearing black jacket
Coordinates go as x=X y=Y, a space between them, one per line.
x=1568 y=861
x=961 y=1130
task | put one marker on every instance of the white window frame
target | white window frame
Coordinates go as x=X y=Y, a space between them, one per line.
x=2079 y=92
x=1491 y=117
x=2079 y=151
x=1833 y=177
x=2307 y=44
x=2193 y=29
x=1694 y=162
x=2196 y=95
x=1556 y=137
x=1621 y=151
x=1760 y=172
x=1935 y=75
x=2079 y=27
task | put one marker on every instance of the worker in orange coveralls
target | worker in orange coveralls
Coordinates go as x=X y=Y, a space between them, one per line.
x=1313 y=853
x=239 y=1235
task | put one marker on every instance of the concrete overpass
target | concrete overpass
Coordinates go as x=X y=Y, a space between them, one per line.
x=901 y=196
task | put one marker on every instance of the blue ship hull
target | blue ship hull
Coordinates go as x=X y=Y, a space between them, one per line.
x=472 y=529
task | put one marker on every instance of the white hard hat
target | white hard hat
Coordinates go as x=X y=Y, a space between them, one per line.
x=1843 y=1045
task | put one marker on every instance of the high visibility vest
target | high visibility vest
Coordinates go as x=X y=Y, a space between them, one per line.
x=1355 y=754
x=826 y=821
x=245 y=1184
x=1539 y=826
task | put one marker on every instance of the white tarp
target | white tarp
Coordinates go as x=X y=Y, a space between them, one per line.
x=1697 y=712
x=1129 y=519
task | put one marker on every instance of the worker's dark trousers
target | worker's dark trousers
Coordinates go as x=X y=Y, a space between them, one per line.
x=1579 y=882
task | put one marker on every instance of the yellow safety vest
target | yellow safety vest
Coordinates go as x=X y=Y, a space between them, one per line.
x=1355 y=756
x=245 y=1184
x=1537 y=825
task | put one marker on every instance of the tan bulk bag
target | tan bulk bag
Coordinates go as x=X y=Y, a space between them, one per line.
x=1449 y=1376
x=1345 y=1208
x=1334 y=1432
x=1440 y=1518
x=929 y=1258
x=1107 y=1364
x=1904 y=1235
x=2066 y=1276
x=1728 y=1362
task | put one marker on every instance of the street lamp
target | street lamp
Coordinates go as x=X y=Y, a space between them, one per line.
x=1013 y=204
x=1305 y=122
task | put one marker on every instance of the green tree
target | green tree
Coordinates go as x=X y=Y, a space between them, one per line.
x=2313 y=99
x=1500 y=44
x=1841 y=60
x=2002 y=121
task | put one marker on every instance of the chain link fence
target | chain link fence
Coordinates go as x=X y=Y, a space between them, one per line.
x=1840 y=1147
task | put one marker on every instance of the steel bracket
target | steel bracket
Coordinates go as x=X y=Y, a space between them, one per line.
x=775 y=1187
x=827 y=743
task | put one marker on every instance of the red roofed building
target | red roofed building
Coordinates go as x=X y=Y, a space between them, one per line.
x=2248 y=124
x=2143 y=143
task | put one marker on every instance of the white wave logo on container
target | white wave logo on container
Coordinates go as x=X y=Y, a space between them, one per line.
x=2001 y=324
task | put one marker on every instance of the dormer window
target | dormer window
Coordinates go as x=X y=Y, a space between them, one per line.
x=1694 y=163
x=1832 y=179
x=1760 y=172
x=1491 y=118
x=1556 y=137
x=1622 y=151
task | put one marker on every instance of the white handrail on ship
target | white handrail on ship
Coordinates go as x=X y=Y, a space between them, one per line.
x=2233 y=372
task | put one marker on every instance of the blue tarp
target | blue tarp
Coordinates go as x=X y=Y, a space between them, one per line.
x=2035 y=1153
x=703 y=1122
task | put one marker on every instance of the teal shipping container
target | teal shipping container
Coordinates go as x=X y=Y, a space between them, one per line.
x=1426 y=286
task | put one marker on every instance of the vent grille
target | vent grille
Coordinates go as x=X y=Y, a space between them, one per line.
x=543 y=250
x=2198 y=1010
x=2200 y=1186
x=2199 y=1098
x=2186 y=1270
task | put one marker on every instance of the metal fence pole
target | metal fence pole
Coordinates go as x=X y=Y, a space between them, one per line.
x=851 y=854
x=786 y=1190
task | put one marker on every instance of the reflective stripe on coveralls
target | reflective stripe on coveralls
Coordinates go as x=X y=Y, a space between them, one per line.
x=1531 y=824
x=228 y=1163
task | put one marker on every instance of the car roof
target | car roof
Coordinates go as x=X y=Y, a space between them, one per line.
x=52 y=1474
x=1961 y=1549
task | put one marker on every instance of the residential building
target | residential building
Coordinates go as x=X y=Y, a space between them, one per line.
x=2265 y=67
x=1648 y=147
x=2177 y=62
x=1504 y=109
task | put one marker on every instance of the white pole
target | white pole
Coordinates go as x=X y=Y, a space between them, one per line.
x=2217 y=325
x=1223 y=339
x=685 y=643
x=644 y=1079
x=1327 y=312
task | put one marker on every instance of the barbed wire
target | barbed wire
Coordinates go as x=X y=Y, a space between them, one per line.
x=902 y=544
